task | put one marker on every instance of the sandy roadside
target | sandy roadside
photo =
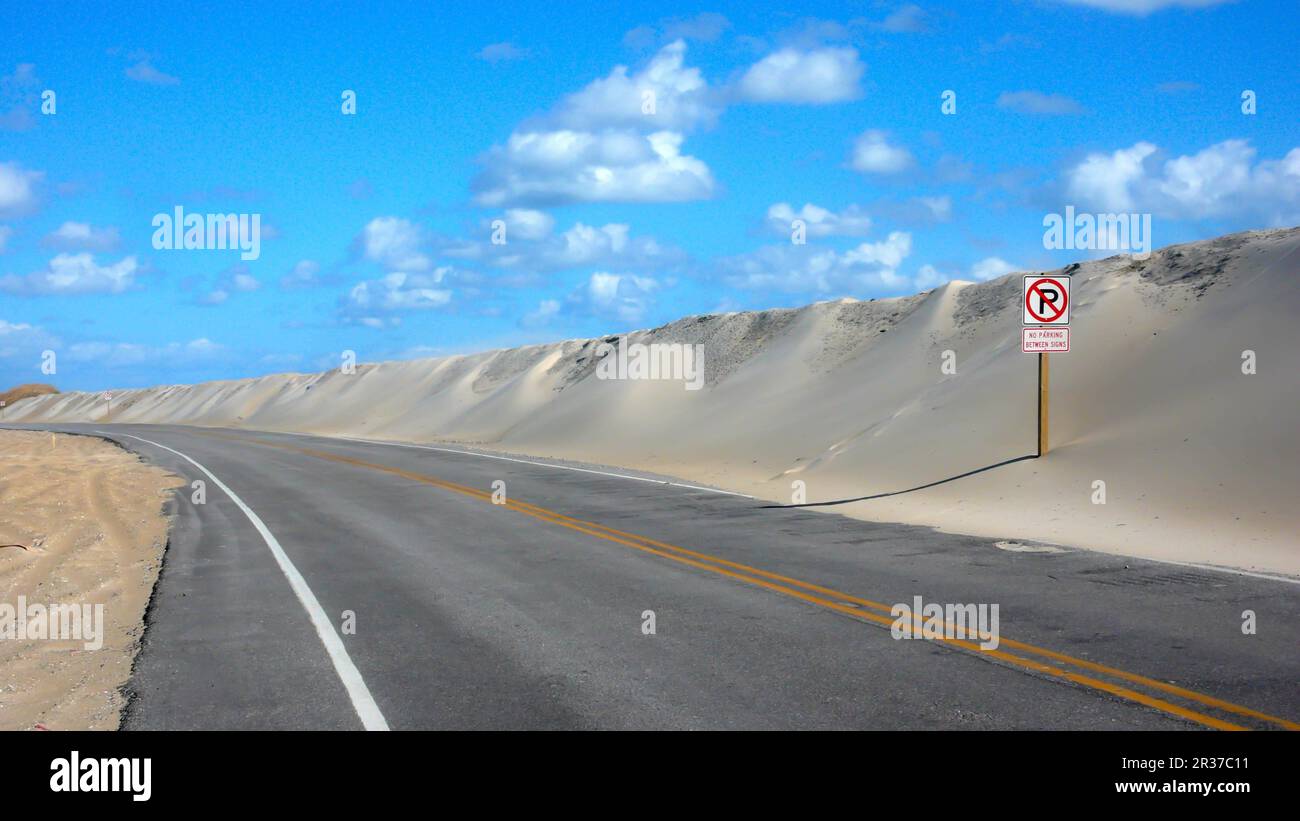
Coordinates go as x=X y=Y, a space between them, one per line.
x=91 y=517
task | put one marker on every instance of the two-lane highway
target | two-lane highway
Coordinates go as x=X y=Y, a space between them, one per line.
x=338 y=583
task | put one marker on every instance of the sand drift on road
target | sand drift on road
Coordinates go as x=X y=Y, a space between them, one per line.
x=1163 y=444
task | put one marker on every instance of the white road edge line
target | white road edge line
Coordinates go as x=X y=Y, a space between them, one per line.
x=521 y=461
x=362 y=701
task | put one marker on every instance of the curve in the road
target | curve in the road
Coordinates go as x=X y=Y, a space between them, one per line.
x=844 y=603
x=362 y=701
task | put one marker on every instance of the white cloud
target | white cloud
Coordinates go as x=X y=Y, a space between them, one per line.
x=9 y=328
x=19 y=340
x=371 y=301
x=793 y=76
x=1105 y=179
x=682 y=100
x=547 y=310
x=625 y=297
x=871 y=266
x=1222 y=180
x=619 y=138
x=1141 y=8
x=991 y=268
x=233 y=279
x=17 y=188
x=532 y=247
x=303 y=274
x=127 y=354
x=818 y=221
x=873 y=154
x=584 y=243
x=525 y=223
x=395 y=243
x=927 y=276
x=594 y=147
x=887 y=254
x=1036 y=102
x=82 y=236
x=398 y=292
x=552 y=167
x=75 y=274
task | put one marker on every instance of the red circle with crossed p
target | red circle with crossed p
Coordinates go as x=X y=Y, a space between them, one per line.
x=1050 y=309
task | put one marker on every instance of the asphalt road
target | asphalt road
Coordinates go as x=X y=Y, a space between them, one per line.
x=530 y=615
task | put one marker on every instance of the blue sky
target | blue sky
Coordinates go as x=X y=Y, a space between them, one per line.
x=376 y=227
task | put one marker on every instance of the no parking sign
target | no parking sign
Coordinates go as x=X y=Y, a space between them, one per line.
x=1047 y=300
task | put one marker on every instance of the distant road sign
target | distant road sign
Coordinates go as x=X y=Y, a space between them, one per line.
x=106 y=396
x=1047 y=300
x=1045 y=340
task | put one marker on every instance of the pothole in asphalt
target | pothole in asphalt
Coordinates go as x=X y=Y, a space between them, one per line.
x=1027 y=547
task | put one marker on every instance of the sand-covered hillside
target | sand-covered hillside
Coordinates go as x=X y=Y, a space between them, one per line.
x=1201 y=462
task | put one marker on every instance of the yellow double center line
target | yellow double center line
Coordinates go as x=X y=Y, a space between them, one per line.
x=845 y=603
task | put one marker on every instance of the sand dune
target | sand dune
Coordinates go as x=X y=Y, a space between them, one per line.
x=1198 y=458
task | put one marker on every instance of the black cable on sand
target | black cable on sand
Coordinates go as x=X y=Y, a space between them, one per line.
x=910 y=489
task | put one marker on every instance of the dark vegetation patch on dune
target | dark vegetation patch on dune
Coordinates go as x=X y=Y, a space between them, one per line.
x=12 y=395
